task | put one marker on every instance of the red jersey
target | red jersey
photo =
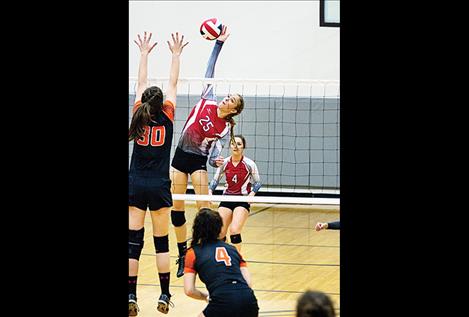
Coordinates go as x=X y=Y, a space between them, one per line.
x=240 y=178
x=202 y=128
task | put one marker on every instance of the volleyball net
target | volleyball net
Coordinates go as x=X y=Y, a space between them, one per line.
x=292 y=132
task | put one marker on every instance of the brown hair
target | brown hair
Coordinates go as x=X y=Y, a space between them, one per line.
x=152 y=103
x=229 y=118
x=314 y=304
x=206 y=227
x=242 y=139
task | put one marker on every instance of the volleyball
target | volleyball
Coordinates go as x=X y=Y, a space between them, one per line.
x=211 y=29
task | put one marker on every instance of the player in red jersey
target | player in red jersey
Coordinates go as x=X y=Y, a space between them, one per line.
x=242 y=178
x=221 y=268
x=207 y=129
x=151 y=129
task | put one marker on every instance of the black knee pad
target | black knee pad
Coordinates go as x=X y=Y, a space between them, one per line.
x=236 y=238
x=178 y=218
x=136 y=243
x=161 y=244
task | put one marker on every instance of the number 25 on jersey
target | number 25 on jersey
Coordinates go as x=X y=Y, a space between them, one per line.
x=155 y=136
x=206 y=123
x=221 y=255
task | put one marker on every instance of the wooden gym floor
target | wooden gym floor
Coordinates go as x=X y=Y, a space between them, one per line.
x=285 y=256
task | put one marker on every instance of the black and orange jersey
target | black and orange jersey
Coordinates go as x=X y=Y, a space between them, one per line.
x=151 y=152
x=217 y=263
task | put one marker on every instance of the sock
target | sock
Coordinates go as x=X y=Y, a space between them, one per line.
x=133 y=285
x=164 y=282
x=182 y=247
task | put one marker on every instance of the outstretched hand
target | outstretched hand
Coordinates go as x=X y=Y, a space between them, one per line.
x=224 y=34
x=177 y=46
x=321 y=226
x=144 y=45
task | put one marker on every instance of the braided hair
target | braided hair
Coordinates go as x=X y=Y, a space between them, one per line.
x=229 y=118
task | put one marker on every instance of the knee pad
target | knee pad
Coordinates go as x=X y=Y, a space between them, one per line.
x=236 y=238
x=136 y=243
x=178 y=218
x=161 y=244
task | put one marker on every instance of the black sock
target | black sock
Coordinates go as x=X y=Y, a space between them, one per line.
x=182 y=247
x=164 y=282
x=133 y=285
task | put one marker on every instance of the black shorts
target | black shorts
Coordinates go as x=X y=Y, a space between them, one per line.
x=233 y=204
x=188 y=162
x=232 y=302
x=149 y=192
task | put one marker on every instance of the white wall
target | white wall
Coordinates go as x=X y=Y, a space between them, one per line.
x=269 y=39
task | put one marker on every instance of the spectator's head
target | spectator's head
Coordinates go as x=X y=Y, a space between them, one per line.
x=314 y=304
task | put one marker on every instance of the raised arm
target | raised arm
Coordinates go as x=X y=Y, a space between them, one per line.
x=145 y=49
x=207 y=93
x=176 y=50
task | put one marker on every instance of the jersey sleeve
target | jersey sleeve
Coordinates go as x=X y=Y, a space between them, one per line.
x=168 y=109
x=334 y=225
x=242 y=262
x=137 y=104
x=255 y=177
x=189 y=262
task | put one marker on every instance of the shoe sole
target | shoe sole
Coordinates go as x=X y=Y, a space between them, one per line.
x=163 y=307
x=133 y=308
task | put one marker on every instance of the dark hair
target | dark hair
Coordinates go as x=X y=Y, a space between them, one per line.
x=242 y=139
x=314 y=304
x=207 y=226
x=229 y=118
x=152 y=103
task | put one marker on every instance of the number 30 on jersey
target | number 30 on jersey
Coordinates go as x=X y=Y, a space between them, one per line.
x=155 y=136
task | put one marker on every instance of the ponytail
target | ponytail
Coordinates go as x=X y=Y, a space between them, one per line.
x=152 y=103
x=232 y=124
x=141 y=118
x=229 y=118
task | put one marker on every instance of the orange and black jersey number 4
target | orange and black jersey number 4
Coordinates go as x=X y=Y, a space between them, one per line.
x=221 y=255
x=153 y=136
